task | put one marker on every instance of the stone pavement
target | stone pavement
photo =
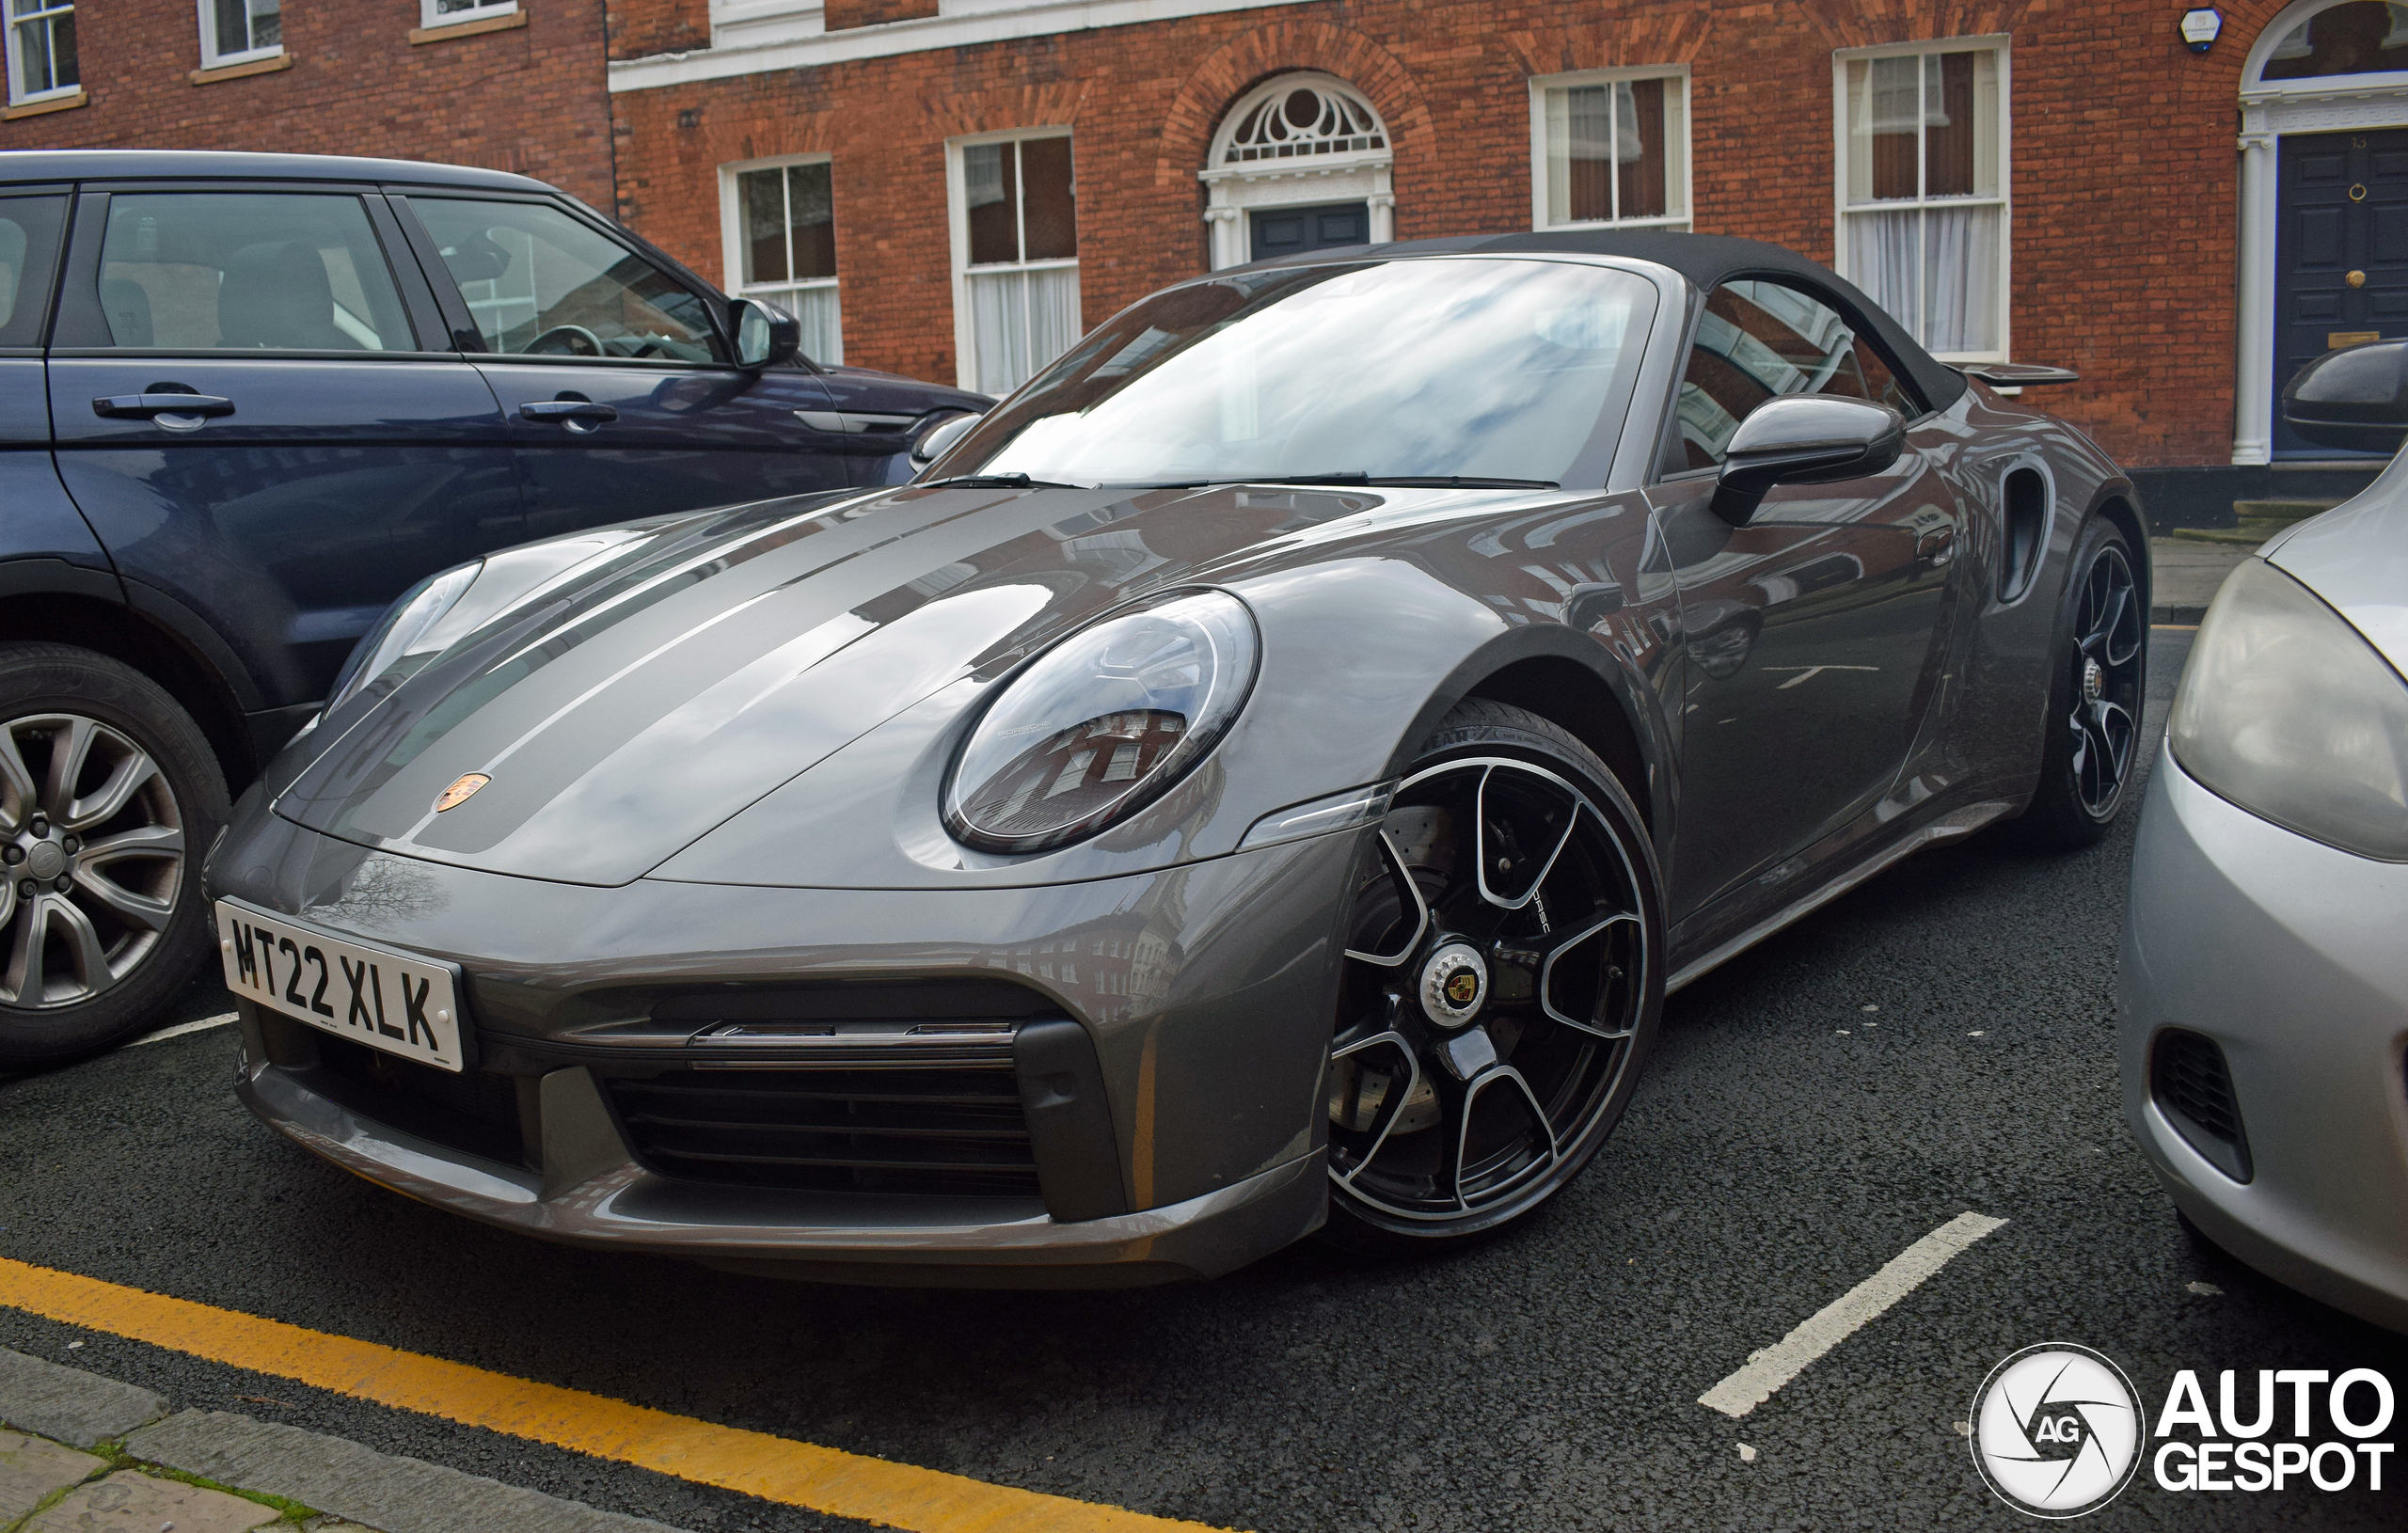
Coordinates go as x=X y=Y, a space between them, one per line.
x=84 y=1454
x=2188 y=573
x=2192 y=561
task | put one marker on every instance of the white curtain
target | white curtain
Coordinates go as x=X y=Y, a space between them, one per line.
x=1882 y=259
x=1960 y=280
x=823 y=323
x=1019 y=320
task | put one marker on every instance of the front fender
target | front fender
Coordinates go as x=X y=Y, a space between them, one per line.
x=1363 y=654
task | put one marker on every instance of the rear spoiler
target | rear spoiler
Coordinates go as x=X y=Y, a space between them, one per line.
x=2018 y=374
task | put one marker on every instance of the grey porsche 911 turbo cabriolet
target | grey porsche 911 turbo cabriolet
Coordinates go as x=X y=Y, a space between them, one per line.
x=1265 y=775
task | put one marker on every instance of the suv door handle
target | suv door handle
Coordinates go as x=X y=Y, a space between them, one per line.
x=569 y=410
x=145 y=406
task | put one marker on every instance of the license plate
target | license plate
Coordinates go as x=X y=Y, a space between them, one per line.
x=397 y=1001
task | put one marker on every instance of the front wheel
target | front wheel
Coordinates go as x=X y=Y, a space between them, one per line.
x=1505 y=975
x=108 y=798
x=2095 y=690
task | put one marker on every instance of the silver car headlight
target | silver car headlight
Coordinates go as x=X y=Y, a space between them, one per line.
x=1102 y=723
x=399 y=633
x=2286 y=710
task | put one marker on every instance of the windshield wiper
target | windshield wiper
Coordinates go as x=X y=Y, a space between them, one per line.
x=995 y=481
x=1405 y=482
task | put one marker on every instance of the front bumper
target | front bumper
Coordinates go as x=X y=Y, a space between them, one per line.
x=2286 y=954
x=1181 y=1136
x=608 y=1202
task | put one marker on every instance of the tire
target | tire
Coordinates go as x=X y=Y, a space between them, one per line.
x=93 y=949
x=1504 y=981
x=2093 y=727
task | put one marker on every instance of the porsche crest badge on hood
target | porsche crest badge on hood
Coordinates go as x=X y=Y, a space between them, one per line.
x=460 y=790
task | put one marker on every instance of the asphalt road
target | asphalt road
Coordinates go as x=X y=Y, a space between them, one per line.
x=1784 y=1144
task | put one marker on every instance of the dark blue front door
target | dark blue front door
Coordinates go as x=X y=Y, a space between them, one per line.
x=327 y=461
x=611 y=376
x=2340 y=253
x=1284 y=232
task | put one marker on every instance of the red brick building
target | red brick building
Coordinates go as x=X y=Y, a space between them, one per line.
x=2075 y=193
x=955 y=188
x=497 y=83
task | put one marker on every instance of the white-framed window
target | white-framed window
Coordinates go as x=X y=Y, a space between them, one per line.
x=435 y=13
x=1923 y=189
x=41 y=51
x=1610 y=147
x=240 y=31
x=1014 y=199
x=777 y=228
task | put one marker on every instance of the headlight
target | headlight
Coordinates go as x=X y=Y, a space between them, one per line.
x=1102 y=723
x=402 y=625
x=2286 y=710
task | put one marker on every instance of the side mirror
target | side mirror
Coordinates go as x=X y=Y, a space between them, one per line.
x=1804 y=439
x=765 y=335
x=2355 y=399
x=476 y=258
x=938 y=440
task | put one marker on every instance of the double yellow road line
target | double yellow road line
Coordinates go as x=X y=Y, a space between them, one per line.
x=777 y=1469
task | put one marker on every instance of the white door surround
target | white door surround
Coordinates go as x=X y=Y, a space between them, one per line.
x=1264 y=157
x=2269 y=108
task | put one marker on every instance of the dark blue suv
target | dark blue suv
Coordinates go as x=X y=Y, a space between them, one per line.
x=246 y=400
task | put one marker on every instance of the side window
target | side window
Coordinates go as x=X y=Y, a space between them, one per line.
x=543 y=284
x=1757 y=339
x=245 y=271
x=28 y=255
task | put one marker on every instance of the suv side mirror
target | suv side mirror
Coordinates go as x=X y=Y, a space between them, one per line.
x=765 y=335
x=1804 y=439
x=2356 y=398
x=938 y=439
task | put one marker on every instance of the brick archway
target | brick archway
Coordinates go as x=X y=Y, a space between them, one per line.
x=1254 y=56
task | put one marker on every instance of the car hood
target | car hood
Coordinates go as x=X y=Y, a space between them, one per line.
x=625 y=708
x=2355 y=557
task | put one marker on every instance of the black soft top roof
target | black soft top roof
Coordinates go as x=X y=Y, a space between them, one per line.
x=1706 y=260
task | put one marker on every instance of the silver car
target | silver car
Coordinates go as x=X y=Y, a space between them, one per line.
x=2264 y=987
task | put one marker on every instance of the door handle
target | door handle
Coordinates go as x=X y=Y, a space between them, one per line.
x=149 y=407
x=569 y=412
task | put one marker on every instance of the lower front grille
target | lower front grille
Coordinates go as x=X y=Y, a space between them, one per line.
x=2192 y=1086
x=466 y=1111
x=951 y=1130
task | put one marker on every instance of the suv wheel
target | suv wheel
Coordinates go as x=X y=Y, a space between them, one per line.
x=109 y=796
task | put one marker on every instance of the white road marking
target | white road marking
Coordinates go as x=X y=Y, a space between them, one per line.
x=1778 y=1364
x=181 y=1029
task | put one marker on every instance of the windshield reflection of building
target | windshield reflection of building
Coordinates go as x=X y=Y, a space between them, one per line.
x=1099 y=366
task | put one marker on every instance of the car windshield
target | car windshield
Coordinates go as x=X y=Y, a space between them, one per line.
x=1487 y=369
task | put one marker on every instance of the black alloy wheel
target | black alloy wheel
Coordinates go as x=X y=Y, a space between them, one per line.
x=1505 y=974
x=108 y=798
x=2095 y=695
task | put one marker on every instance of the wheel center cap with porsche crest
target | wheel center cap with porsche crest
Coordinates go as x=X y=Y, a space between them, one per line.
x=1454 y=983
x=2094 y=680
